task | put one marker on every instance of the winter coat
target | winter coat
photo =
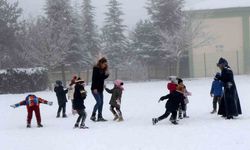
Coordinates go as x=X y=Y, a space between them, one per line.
x=230 y=103
x=116 y=96
x=216 y=88
x=31 y=101
x=71 y=92
x=171 y=87
x=61 y=95
x=175 y=99
x=79 y=97
x=98 y=78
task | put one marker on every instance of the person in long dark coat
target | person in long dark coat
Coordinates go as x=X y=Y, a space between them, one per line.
x=230 y=104
x=100 y=73
x=61 y=98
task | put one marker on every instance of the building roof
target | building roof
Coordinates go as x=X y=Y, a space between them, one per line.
x=215 y=4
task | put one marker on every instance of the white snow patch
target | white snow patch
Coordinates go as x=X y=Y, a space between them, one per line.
x=202 y=131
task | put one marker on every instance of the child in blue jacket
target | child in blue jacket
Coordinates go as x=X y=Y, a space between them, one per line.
x=216 y=92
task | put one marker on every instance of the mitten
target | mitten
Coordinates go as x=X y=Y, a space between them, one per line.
x=13 y=106
x=50 y=103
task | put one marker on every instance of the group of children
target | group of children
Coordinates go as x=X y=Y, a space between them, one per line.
x=77 y=94
x=177 y=101
x=176 y=104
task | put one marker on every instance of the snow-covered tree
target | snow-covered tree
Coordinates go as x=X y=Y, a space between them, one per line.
x=60 y=20
x=90 y=36
x=146 y=43
x=167 y=15
x=115 y=43
x=9 y=29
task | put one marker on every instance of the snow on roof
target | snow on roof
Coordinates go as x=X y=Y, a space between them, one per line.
x=215 y=4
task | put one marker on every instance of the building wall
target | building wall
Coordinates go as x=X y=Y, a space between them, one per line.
x=227 y=41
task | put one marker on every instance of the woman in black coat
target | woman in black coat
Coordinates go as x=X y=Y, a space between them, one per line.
x=230 y=103
x=100 y=73
x=61 y=98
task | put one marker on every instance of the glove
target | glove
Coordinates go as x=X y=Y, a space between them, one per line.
x=50 y=103
x=13 y=106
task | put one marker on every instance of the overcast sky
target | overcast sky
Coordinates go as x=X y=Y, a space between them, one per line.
x=134 y=10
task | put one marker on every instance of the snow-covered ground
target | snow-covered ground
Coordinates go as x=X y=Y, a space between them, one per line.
x=202 y=131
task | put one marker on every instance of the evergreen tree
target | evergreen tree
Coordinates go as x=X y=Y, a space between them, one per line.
x=146 y=42
x=60 y=20
x=9 y=28
x=90 y=36
x=167 y=15
x=114 y=41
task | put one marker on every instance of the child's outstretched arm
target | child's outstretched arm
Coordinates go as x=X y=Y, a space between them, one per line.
x=109 y=91
x=44 y=101
x=18 y=104
x=163 y=98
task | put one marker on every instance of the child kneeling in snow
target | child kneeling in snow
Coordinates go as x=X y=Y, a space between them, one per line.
x=115 y=102
x=78 y=103
x=32 y=104
x=175 y=99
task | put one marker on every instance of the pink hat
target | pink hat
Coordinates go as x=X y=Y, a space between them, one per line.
x=119 y=83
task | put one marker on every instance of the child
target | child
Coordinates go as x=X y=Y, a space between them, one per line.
x=115 y=102
x=171 y=86
x=216 y=92
x=78 y=103
x=61 y=98
x=182 y=88
x=71 y=91
x=175 y=99
x=32 y=104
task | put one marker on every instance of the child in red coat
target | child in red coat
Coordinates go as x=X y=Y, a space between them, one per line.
x=32 y=104
x=171 y=86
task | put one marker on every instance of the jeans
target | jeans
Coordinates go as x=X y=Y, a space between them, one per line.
x=99 y=104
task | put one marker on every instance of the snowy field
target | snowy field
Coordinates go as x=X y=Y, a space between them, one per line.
x=202 y=131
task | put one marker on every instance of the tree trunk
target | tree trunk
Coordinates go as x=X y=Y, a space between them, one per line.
x=63 y=75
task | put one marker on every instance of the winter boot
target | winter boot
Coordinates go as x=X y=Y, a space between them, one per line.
x=58 y=115
x=229 y=117
x=120 y=119
x=115 y=118
x=154 y=121
x=174 y=122
x=212 y=112
x=28 y=126
x=93 y=118
x=64 y=116
x=83 y=126
x=39 y=125
x=101 y=119
x=76 y=125
x=185 y=115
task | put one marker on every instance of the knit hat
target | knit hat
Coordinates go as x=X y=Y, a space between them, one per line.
x=222 y=61
x=119 y=83
x=173 y=79
x=58 y=82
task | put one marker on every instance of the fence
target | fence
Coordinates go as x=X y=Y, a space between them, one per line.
x=204 y=64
